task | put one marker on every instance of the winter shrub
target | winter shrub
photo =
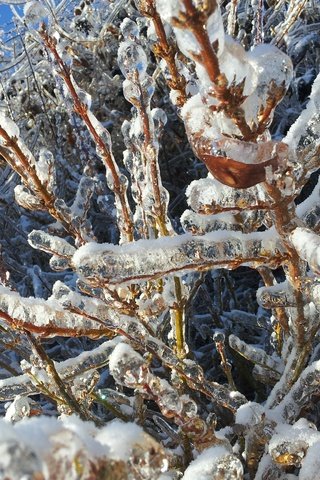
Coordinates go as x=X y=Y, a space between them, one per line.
x=160 y=256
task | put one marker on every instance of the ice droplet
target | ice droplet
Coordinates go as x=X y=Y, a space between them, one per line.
x=132 y=60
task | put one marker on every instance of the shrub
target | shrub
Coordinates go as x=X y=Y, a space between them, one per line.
x=197 y=322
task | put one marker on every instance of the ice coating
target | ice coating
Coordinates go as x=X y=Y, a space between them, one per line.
x=169 y=10
x=215 y=463
x=114 y=264
x=255 y=354
x=307 y=244
x=26 y=199
x=208 y=195
x=132 y=60
x=9 y=126
x=44 y=317
x=60 y=443
x=45 y=169
x=67 y=369
x=279 y=295
x=51 y=244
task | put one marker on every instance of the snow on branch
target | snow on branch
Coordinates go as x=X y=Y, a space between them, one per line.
x=146 y=259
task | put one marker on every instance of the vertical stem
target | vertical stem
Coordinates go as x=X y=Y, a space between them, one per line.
x=178 y=317
x=64 y=392
x=82 y=110
x=282 y=327
x=166 y=51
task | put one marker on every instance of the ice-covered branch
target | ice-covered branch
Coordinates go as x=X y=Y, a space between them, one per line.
x=300 y=394
x=255 y=354
x=69 y=369
x=45 y=317
x=147 y=259
x=307 y=244
x=304 y=135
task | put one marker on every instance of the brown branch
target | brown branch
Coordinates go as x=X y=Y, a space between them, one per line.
x=52 y=330
x=165 y=50
x=28 y=174
x=195 y=20
x=82 y=110
x=285 y=222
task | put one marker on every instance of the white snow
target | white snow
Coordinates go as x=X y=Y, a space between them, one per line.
x=307 y=244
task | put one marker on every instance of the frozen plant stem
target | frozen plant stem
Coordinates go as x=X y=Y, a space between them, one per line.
x=195 y=20
x=179 y=321
x=28 y=173
x=165 y=50
x=282 y=327
x=64 y=392
x=82 y=110
x=285 y=222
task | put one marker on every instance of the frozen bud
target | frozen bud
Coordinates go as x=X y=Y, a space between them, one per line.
x=159 y=117
x=170 y=400
x=132 y=60
x=25 y=199
x=59 y=264
x=61 y=207
x=50 y=244
x=81 y=202
x=189 y=407
x=45 y=165
x=128 y=160
x=125 y=365
x=129 y=29
x=132 y=92
x=289 y=453
x=125 y=130
x=192 y=369
x=219 y=337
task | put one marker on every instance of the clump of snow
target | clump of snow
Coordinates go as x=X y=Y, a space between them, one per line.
x=307 y=244
x=212 y=463
x=119 y=438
